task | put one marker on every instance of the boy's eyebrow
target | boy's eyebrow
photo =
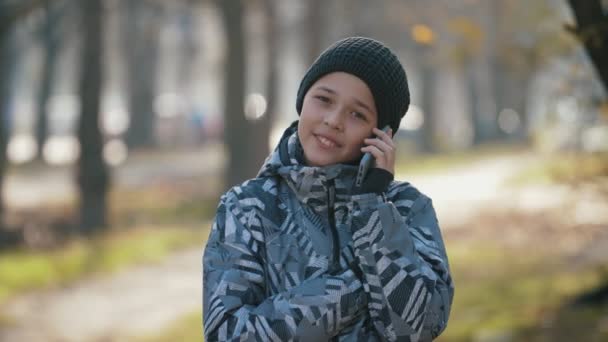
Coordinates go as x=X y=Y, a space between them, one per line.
x=361 y=104
x=331 y=91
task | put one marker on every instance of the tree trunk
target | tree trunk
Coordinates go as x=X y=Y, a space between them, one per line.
x=592 y=30
x=51 y=44
x=473 y=98
x=8 y=60
x=314 y=28
x=427 y=79
x=10 y=13
x=142 y=45
x=498 y=88
x=5 y=116
x=519 y=89
x=92 y=174
x=493 y=73
x=237 y=131
x=261 y=127
x=189 y=48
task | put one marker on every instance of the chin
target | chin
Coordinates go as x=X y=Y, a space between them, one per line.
x=320 y=161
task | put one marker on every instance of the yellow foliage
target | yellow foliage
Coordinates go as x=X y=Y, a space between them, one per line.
x=423 y=34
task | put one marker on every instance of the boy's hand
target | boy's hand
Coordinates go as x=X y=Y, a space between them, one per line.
x=383 y=149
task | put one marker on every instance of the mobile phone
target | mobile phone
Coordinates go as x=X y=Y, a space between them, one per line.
x=366 y=163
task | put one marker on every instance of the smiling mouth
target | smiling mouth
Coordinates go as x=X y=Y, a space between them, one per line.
x=327 y=143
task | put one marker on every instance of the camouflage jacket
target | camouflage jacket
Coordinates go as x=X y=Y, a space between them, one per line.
x=294 y=256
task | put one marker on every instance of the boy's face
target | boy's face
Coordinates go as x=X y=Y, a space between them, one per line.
x=338 y=112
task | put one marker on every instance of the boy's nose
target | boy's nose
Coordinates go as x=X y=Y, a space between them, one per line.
x=334 y=119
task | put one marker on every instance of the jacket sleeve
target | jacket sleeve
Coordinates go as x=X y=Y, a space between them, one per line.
x=405 y=267
x=236 y=306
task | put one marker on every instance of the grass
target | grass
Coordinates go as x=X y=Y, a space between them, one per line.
x=508 y=293
x=22 y=270
x=147 y=224
x=514 y=277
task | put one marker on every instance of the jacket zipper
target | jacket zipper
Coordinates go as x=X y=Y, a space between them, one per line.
x=331 y=196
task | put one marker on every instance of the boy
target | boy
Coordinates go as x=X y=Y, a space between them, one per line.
x=300 y=252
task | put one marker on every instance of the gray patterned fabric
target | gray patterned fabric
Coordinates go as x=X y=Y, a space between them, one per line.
x=293 y=256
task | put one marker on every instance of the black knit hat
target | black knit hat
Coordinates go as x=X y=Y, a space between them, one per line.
x=372 y=62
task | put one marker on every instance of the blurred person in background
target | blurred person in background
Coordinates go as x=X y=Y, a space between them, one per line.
x=301 y=252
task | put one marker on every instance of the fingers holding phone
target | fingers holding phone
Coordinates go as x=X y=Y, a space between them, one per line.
x=383 y=148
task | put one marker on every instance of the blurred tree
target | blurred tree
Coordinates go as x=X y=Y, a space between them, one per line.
x=474 y=33
x=92 y=173
x=419 y=23
x=497 y=46
x=493 y=25
x=261 y=127
x=11 y=11
x=524 y=49
x=314 y=29
x=142 y=32
x=468 y=40
x=5 y=84
x=237 y=130
x=424 y=37
x=592 y=30
x=51 y=38
x=189 y=50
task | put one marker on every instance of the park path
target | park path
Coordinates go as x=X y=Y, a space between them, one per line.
x=146 y=299
x=134 y=302
x=460 y=192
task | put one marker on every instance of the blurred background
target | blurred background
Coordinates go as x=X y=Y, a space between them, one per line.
x=122 y=122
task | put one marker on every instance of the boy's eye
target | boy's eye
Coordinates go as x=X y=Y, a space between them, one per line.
x=323 y=99
x=359 y=115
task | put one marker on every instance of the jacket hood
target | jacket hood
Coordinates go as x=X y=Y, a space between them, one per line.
x=309 y=183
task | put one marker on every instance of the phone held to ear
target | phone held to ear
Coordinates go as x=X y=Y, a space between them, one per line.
x=366 y=163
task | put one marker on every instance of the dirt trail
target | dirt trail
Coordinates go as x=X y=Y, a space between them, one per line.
x=137 y=301
x=460 y=192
